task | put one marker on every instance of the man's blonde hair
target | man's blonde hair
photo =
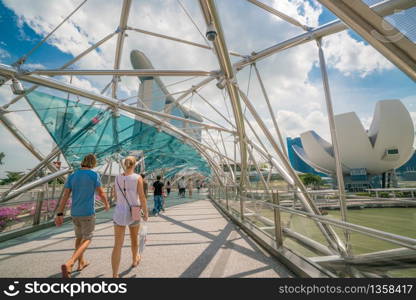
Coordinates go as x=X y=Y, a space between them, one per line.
x=89 y=161
x=130 y=162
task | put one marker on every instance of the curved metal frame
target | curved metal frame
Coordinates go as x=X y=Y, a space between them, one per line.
x=226 y=75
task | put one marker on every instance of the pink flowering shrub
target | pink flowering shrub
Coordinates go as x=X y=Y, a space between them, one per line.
x=11 y=214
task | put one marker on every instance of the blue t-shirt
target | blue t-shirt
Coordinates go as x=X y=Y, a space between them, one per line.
x=83 y=184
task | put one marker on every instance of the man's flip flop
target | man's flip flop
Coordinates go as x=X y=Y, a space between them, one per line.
x=83 y=267
x=66 y=273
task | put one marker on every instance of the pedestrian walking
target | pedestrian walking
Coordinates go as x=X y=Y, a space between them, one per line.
x=190 y=187
x=157 y=195
x=131 y=204
x=82 y=185
x=168 y=188
x=182 y=187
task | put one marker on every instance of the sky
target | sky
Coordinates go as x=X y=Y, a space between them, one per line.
x=359 y=76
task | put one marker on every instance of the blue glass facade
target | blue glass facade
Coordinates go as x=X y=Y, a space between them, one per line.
x=158 y=97
x=407 y=172
x=177 y=112
x=297 y=163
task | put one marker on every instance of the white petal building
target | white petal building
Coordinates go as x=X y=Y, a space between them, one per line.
x=385 y=146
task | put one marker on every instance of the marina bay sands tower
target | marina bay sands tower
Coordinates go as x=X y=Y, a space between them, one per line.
x=155 y=96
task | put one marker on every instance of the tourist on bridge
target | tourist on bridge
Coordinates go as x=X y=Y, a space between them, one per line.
x=157 y=195
x=182 y=187
x=168 y=188
x=83 y=184
x=190 y=187
x=145 y=184
x=198 y=185
x=131 y=203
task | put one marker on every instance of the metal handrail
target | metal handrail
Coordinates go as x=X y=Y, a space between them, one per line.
x=378 y=234
x=23 y=201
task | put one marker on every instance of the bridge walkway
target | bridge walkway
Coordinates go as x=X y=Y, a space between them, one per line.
x=189 y=240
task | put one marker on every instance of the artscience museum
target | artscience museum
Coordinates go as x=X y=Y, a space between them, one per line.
x=369 y=157
x=170 y=118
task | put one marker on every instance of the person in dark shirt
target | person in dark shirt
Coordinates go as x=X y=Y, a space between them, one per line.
x=198 y=185
x=168 y=188
x=157 y=195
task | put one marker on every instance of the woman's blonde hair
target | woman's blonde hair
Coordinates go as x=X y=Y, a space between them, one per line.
x=130 y=162
x=89 y=161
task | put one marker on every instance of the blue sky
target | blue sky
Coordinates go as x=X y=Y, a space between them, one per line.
x=354 y=87
x=18 y=40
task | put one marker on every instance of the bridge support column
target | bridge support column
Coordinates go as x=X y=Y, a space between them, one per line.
x=38 y=208
x=226 y=198
x=277 y=221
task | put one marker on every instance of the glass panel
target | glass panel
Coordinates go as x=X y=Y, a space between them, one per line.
x=234 y=202
x=404 y=21
x=20 y=212
x=80 y=129
x=158 y=97
x=396 y=220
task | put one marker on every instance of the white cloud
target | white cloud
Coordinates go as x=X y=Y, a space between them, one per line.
x=294 y=123
x=81 y=83
x=300 y=10
x=351 y=56
x=4 y=54
x=5 y=94
x=298 y=102
x=18 y=158
x=35 y=66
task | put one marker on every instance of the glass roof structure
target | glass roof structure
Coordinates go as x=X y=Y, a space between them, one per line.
x=79 y=129
x=259 y=63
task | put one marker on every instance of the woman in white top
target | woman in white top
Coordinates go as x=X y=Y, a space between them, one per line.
x=128 y=184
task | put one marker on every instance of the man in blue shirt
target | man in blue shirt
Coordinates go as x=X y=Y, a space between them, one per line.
x=83 y=184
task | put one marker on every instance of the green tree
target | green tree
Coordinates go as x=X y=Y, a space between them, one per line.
x=11 y=177
x=2 y=155
x=311 y=180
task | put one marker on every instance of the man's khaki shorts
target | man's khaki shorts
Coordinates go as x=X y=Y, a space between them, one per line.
x=84 y=227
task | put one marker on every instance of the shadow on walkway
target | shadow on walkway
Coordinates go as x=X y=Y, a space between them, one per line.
x=191 y=239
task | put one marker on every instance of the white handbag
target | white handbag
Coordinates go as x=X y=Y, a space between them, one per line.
x=142 y=236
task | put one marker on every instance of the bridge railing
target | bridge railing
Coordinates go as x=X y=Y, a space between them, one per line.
x=36 y=207
x=280 y=220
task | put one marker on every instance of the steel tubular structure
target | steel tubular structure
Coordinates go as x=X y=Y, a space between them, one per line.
x=328 y=232
x=368 y=24
x=384 y=8
x=279 y=14
x=334 y=139
x=211 y=18
x=246 y=152
x=163 y=36
x=269 y=106
x=117 y=72
x=23 y=140
x=120 y=42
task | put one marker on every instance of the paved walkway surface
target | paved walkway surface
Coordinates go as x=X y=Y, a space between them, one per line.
x=189 y=240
